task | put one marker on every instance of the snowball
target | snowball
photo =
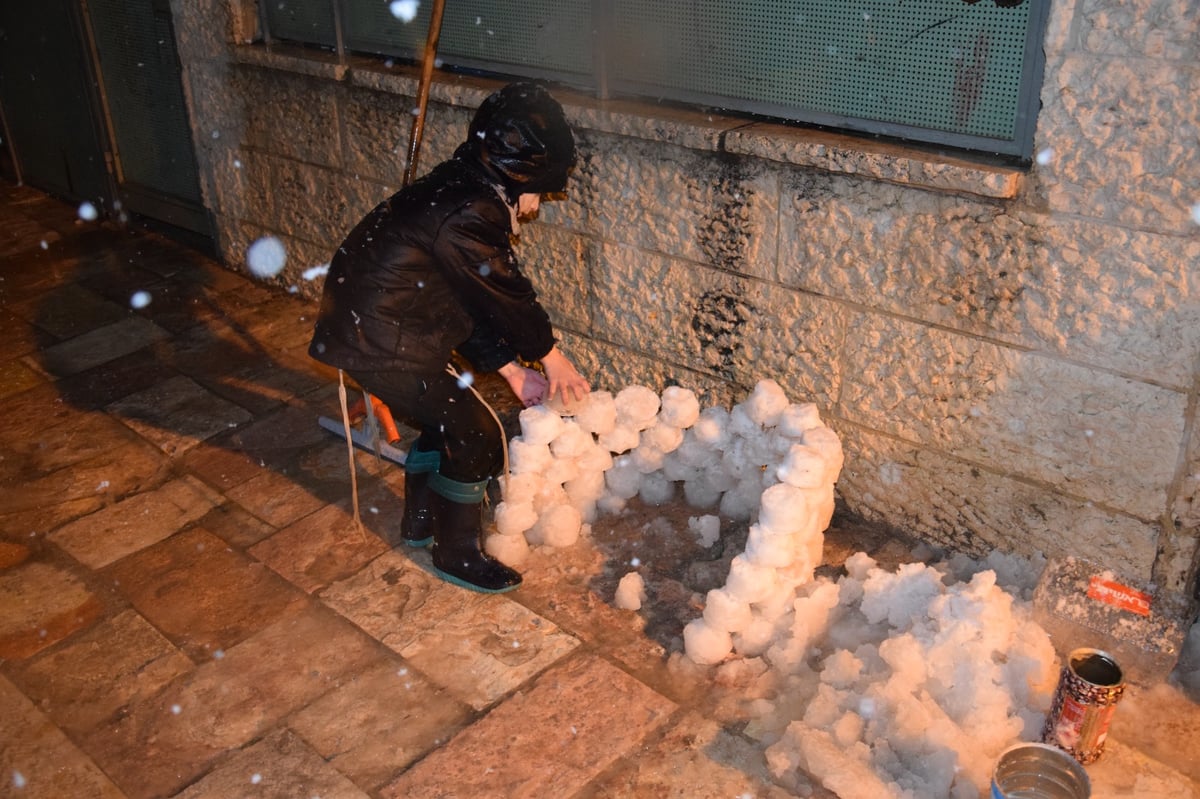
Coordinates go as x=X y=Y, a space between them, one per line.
x=528 y=456
x=712 y=427
x=558 y=526
x=520 y=487
x=749 y=581
x=766 y=548
x=707 y=529
x=266 y=257
x=514 y=518
x=680 y=407
x=540 y=425
x=623 y=479
x=621 y=438
x=631 y=592
x=783 y=508
x=571 y=442
x=796 y=418
x=637 y=406
x=596 y=413
x=826 y=442
x=704 y=645
x=656 y=489
x=766 y=402
x=701 y=494
x=662 y=437
x=511 y=550
x=724 y=611
x=647 y=459
x=803 y=467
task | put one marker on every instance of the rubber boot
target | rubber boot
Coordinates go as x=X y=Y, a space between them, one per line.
x=458 y=555
x=416 y=526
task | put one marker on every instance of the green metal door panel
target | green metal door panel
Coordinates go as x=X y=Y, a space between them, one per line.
x=135 y=47
x=946 y=65
x=47 y=102
x=532 y=37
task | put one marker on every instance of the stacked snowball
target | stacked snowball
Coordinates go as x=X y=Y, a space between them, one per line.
x=766 y=458
x=778 y=459
x=893 y=684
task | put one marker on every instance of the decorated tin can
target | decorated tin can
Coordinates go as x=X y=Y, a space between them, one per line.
x=1039 y=771
x=1089 y=688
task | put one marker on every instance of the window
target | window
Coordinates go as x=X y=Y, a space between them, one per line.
x=959 y=73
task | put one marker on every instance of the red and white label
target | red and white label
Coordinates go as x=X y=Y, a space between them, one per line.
x=1119 y=596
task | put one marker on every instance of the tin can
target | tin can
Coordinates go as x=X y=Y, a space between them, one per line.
x=1089 y=688
x=1039 y=771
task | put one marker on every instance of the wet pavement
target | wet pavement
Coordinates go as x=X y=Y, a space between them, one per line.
x=187 y=607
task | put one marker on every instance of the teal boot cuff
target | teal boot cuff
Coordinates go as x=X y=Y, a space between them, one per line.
x=462 y=493
x=421 y=461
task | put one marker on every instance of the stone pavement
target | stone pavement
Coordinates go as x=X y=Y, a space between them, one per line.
x=188 y=610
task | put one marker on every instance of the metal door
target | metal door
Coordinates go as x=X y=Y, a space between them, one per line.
x=141 y=94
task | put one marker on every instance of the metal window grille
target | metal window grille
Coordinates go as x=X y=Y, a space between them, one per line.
x=960 y=73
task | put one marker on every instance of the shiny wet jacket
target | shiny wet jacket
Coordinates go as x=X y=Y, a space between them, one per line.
x=432 y=270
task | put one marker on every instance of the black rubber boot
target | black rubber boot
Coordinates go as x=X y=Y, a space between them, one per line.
x=458 y=555
x=417 y=524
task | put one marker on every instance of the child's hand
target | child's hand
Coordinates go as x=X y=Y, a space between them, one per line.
x=528 y=384
x=564 y=379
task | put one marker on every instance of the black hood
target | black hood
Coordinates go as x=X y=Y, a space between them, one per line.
x=520 y=134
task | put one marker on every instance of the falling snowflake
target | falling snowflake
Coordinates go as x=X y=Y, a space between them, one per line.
x=140 y=299
x=465 y=380
x=88 y=212
x=314 y=272
x=266 y=257
x=404 y=10
x=1045 y=156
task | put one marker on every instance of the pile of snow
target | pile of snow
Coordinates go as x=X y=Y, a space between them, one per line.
x=904 y=684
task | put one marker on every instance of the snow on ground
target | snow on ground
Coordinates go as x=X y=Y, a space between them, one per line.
x=881 y=683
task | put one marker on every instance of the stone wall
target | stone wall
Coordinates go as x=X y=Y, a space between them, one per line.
x=1009 y=356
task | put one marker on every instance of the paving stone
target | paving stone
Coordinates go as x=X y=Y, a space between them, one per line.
x=202 y=594
x=275 y=498
x=319 y=549
x=119 y=661
x=235 y=525
x=178 y=413
x=134 y=523
x=16 y=377
x=40 y=605
x=695 y=759
x=38 y=761
x=12 y=554
x=222 y=467
x=100 y=345
x=478 y=646
x=281 y=766
x=166 y=742
x=70 y=310
x=380 y=722
x=114 y=380
x=277 y=438
x=575 y=721
x=31 y=451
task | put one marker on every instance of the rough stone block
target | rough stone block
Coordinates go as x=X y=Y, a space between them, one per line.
x=1083 y=603
x=1084 y=431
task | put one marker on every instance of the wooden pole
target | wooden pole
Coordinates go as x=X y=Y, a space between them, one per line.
x=418 y=126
